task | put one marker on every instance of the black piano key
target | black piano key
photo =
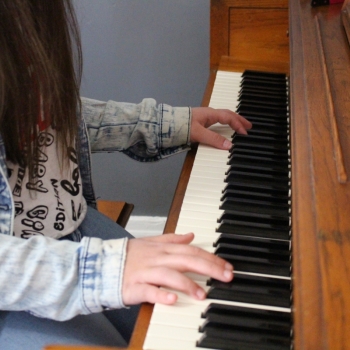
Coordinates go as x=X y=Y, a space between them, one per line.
x=247 y=176
x=254 y=251
x=269 y=191
x=255 y=117
x=215 y=339
x=276 y=320
x=277 y=135
x=210 y=340
x=279 y=112
x=259 y=97
x=249 y=73
x=247 y=82
x=255 y=260
x=268 y=125
x=255 y=219
x=262 y=100
x=244 y=318
x=264 y=115
x=260 y=139
x=263 y=85
x=254 y=224
x=221 y=337
x=255 y=180
x=257 y=206
x=251 y=90
x=274 y=326
x=247 y=192
x=276 y=245
x=258 y=168
x=256 y=265
x=243 y=228
x=242 y=324
x=281 y=155
x=272 y=155
x=265 y=162
x=252 y=289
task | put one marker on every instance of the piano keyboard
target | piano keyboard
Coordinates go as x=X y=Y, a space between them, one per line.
x=252 y=312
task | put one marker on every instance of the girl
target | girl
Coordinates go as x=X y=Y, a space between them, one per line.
x=61 y=259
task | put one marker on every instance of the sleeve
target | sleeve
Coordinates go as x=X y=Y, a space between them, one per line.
x=61 y=279
x=144 y=131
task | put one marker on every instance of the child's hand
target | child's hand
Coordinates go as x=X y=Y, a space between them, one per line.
x=162 y=261
x=203 y=117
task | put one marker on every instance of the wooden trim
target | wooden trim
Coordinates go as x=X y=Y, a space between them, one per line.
x=230 y=64
x=119 y=212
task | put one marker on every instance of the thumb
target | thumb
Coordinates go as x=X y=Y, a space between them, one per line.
x=212 y=138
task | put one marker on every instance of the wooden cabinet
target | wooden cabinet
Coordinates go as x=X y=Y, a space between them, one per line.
x=249 y=31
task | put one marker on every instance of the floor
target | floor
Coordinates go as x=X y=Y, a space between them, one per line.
x=145 y=226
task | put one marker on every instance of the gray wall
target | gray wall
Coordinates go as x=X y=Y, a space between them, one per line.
x=135 y=49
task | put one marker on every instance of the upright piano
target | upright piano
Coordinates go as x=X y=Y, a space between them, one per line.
x=310 y=46
x=319 y=90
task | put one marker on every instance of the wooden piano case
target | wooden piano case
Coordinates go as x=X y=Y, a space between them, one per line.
x=320 y=109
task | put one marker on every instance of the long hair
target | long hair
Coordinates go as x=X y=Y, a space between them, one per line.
x=40 y=70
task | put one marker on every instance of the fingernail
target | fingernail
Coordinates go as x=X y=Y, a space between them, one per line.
x=228 y=274
x=227 y=144
x=200 y=294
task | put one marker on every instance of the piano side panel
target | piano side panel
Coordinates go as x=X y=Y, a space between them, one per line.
x=306 y=294
x=266 y=40
x=246 y=28
x=320 y=82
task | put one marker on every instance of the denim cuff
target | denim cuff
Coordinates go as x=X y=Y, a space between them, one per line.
x=101 y=272
x=175 y=126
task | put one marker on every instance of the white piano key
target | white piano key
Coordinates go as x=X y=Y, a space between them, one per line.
x=171 y=338
x=200 y=216
x=205 y=232
x=200 y=192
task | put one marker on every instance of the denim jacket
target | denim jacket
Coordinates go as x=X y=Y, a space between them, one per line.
x=61 y=279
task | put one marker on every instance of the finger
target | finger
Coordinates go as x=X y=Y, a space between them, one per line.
x=236 y=121
x=148 y=293
x=172 y=279
x=213 y=139
x=195 y=252
x=177 y=252
x=209 y=265
x=172 y=238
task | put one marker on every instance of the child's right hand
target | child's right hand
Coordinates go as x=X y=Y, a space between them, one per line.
x=161 y=261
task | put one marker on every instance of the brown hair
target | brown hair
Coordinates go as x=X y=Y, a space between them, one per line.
x=40 y=71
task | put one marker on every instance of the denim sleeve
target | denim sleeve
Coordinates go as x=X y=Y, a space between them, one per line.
x=76 y=278
x=144 y=131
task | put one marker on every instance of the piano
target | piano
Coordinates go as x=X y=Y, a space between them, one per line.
x=316 y=60
x=319 y=81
